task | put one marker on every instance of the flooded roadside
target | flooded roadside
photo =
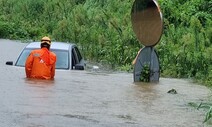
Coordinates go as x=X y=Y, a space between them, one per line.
x=88 y=98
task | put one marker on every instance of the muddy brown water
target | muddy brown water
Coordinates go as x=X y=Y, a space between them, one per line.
x=93 y=99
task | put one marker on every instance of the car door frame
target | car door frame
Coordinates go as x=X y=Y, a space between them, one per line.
x=77 y=61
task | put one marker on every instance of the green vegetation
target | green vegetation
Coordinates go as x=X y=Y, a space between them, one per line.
x=103 y=30
x=186 y=45
x=204 y=106
x=145 y=73
x=207 y=106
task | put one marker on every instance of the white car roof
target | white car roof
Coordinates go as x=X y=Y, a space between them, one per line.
x=54 y=45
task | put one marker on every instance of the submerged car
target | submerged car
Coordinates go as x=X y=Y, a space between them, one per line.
x=68 y=55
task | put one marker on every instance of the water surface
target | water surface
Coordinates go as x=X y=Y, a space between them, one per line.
x=93 y=99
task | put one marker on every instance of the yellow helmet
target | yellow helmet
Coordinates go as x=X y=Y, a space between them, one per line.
x=46 y=40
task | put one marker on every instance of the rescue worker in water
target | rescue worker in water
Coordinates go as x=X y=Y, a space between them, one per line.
x=40 y=63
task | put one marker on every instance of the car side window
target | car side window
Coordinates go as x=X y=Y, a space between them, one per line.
x=76 y=56
x=74 y=59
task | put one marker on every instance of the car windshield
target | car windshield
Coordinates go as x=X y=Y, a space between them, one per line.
x=62 y=58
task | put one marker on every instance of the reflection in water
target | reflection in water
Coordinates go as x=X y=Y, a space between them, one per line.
x=39 y=82
x=83 y=98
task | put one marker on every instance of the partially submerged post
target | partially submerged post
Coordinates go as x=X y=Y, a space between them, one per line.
x=147 y=23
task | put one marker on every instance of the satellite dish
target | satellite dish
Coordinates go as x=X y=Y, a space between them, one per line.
x=147 y=21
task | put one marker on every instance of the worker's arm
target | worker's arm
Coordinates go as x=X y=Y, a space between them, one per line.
x=53 y=67
x=53 y=71
x=28 y=65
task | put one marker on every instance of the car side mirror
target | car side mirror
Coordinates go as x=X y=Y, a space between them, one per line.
x=79 y=67
x=9 y=63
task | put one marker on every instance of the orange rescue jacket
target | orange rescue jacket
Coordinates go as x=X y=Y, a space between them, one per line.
x=40 y=64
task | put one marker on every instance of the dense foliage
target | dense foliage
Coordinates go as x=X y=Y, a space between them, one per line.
x=185 y=49
x=104 y=32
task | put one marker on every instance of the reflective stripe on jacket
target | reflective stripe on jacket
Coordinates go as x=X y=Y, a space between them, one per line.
x=40 y=64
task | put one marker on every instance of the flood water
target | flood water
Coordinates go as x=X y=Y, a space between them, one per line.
x=93 y=99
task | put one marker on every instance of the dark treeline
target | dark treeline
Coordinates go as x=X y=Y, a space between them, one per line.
x=103 y=30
